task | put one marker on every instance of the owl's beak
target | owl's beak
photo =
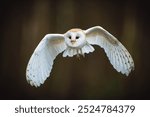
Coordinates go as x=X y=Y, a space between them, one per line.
x=73 y=41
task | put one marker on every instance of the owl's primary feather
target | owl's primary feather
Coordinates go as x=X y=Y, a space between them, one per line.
x=115 y=51
x=41 y=61
x=76 y=42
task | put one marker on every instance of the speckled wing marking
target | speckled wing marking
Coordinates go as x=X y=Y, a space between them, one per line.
x=41 y=61
x=118 y=55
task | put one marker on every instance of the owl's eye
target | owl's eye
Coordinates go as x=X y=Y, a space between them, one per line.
x=69 y=37
x=77 y=37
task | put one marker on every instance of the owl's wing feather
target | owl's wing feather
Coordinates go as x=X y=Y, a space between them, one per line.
x=41 y=61
x=117 y=54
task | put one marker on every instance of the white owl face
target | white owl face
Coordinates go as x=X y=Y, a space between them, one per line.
x=75 y=38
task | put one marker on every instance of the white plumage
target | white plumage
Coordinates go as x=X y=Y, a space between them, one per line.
x=76 y=42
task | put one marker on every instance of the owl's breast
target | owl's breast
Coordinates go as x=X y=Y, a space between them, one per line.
x=71 y=51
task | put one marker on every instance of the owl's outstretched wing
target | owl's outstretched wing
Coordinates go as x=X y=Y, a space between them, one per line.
x=118 y=55
x=41 y=61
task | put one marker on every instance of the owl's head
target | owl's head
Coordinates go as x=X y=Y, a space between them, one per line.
x=75 y=38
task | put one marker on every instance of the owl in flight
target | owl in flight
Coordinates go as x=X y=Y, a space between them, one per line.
x=76 y=42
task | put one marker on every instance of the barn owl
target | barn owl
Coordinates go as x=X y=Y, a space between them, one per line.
x=76 y=42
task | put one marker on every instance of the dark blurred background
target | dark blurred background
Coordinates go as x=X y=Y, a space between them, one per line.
x=24 y=23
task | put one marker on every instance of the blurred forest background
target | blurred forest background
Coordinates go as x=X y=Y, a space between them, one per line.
x=24 y=23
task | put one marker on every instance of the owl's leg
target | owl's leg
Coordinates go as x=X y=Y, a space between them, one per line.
x=78 y=54
x=82 y=53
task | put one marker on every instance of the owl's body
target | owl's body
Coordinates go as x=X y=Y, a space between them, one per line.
x=76 y=42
